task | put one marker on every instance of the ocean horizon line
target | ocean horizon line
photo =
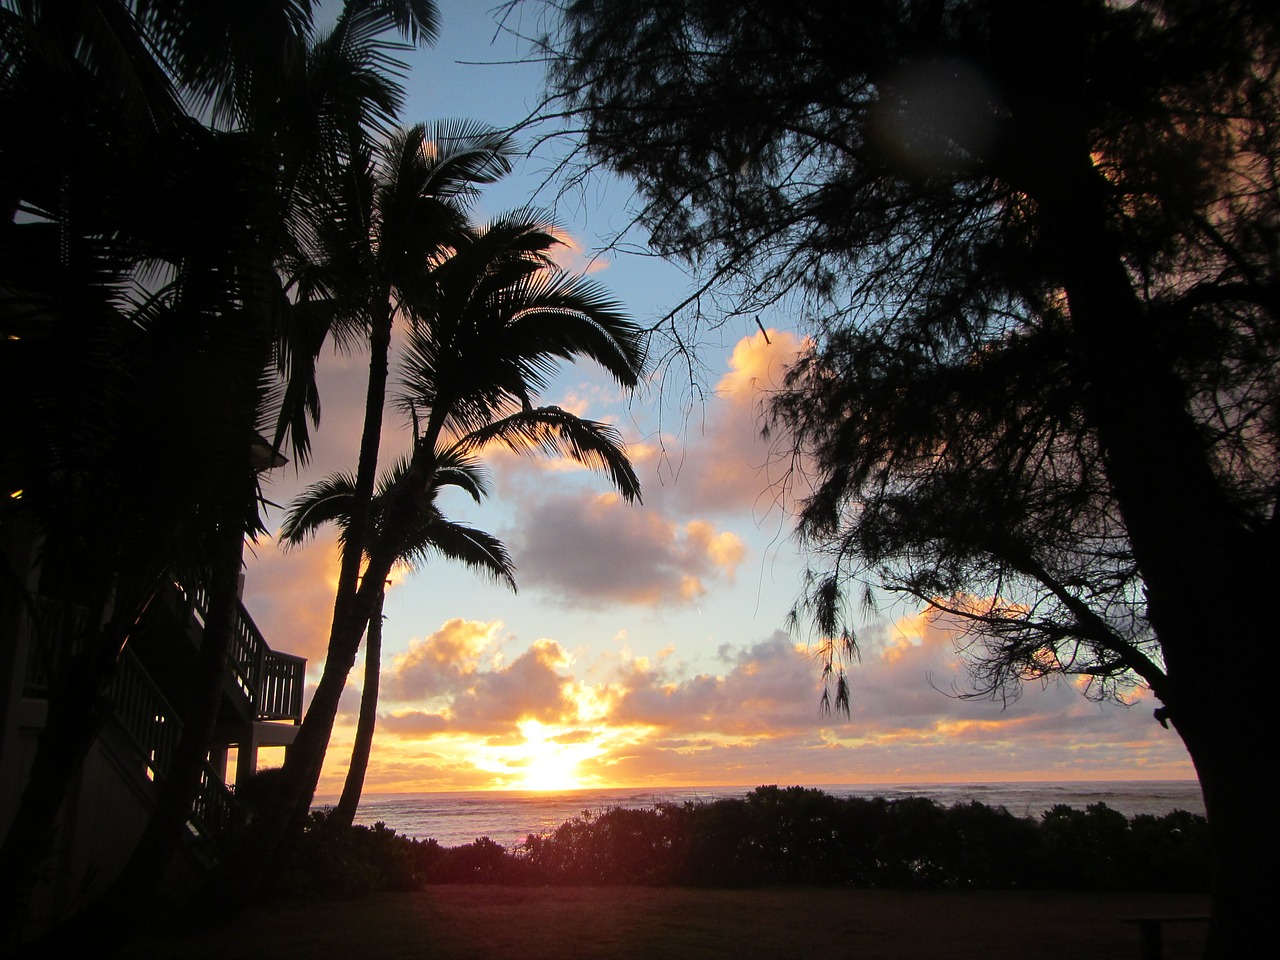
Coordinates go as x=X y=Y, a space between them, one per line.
x=456 y=817
x=745 y=786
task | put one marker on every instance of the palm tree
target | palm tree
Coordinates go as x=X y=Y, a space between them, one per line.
x=141 y=308
x=332 y=500
x=488 y=324
x=103 y=302
x=373 y=230
x=308 y=101
x=331 y=95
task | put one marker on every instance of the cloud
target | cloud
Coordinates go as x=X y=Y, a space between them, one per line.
x=460 y=676
x=758 y=366
x=911 y=676
x=765 y=688
x=594 y=551
x=463 y=709
x=571 y=257
x=718 y=466
x=536 y=685
x=723 y=464
x=414 y=724
x=442 y=663
x=289 y=595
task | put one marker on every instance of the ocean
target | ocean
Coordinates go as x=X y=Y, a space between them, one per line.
x=508 y=817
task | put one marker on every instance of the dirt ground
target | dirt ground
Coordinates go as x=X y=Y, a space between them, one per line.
x=542 y=923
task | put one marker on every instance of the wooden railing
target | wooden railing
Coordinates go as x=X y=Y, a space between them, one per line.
x=138 y=708
x=216 y=808
x=283 y=678
x=53 y=621
x=272 y=682
x=145 y=715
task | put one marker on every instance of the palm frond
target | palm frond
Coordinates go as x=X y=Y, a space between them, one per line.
x=554 y=431
x=492 y=332
x=331 y=500
x=460 y=543
x=104 y=39
x=429 y=175
x=464 y=154
x=370 y=66
x=455 y=468
x=573 y=317
x=228 y=57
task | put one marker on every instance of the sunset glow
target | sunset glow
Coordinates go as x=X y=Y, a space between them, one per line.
x=551 y=765
x=647 y=645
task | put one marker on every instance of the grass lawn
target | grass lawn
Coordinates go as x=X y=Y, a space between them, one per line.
x=554 y=923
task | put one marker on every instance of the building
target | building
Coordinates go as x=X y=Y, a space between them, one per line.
x=111 y=798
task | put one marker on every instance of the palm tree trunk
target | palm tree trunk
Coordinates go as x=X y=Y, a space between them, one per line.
x=306 y=757
x=241 y=874
x=367 y=467
x=297 y=784
x=345 y=813
x=353 y=606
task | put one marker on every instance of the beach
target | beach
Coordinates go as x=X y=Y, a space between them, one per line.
x=641 y=923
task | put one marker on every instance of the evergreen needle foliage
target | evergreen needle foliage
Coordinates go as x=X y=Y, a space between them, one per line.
x=1035 y=246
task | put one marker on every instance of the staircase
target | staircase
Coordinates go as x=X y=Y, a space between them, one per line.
x=111 y=800
x=263 y=686
x=153 y=728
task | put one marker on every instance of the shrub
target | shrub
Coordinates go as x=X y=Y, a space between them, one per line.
x=327 y=860
x=777 y=835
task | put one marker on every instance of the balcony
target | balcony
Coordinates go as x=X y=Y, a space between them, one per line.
x=271 y=683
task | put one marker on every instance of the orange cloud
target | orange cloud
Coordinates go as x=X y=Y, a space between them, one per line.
x=450 y=681
x=571 y=257
x=724 y=549
x=758 y=365
x=726 y=465
x=441 y=662
x=468 y=712
x=289 y=595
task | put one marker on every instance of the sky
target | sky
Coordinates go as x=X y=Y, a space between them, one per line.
x=647 y=644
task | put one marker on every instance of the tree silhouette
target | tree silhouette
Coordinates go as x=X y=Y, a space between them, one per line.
x=154 y=160
x=333 y=501
x=304 y=101
x=489 y=319
x=1036 y=243
x=376 y=226
x=122 y=334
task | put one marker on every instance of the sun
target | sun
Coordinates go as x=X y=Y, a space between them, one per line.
x=548 y=765
x=551 y=771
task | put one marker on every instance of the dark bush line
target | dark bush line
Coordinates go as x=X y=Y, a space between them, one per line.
x=776 y=836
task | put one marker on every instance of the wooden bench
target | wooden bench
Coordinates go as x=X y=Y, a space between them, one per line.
x=1151 y=930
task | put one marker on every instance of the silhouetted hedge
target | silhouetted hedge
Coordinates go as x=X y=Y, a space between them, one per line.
x=325 y=861
x=804 y=836
x=782 y=836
